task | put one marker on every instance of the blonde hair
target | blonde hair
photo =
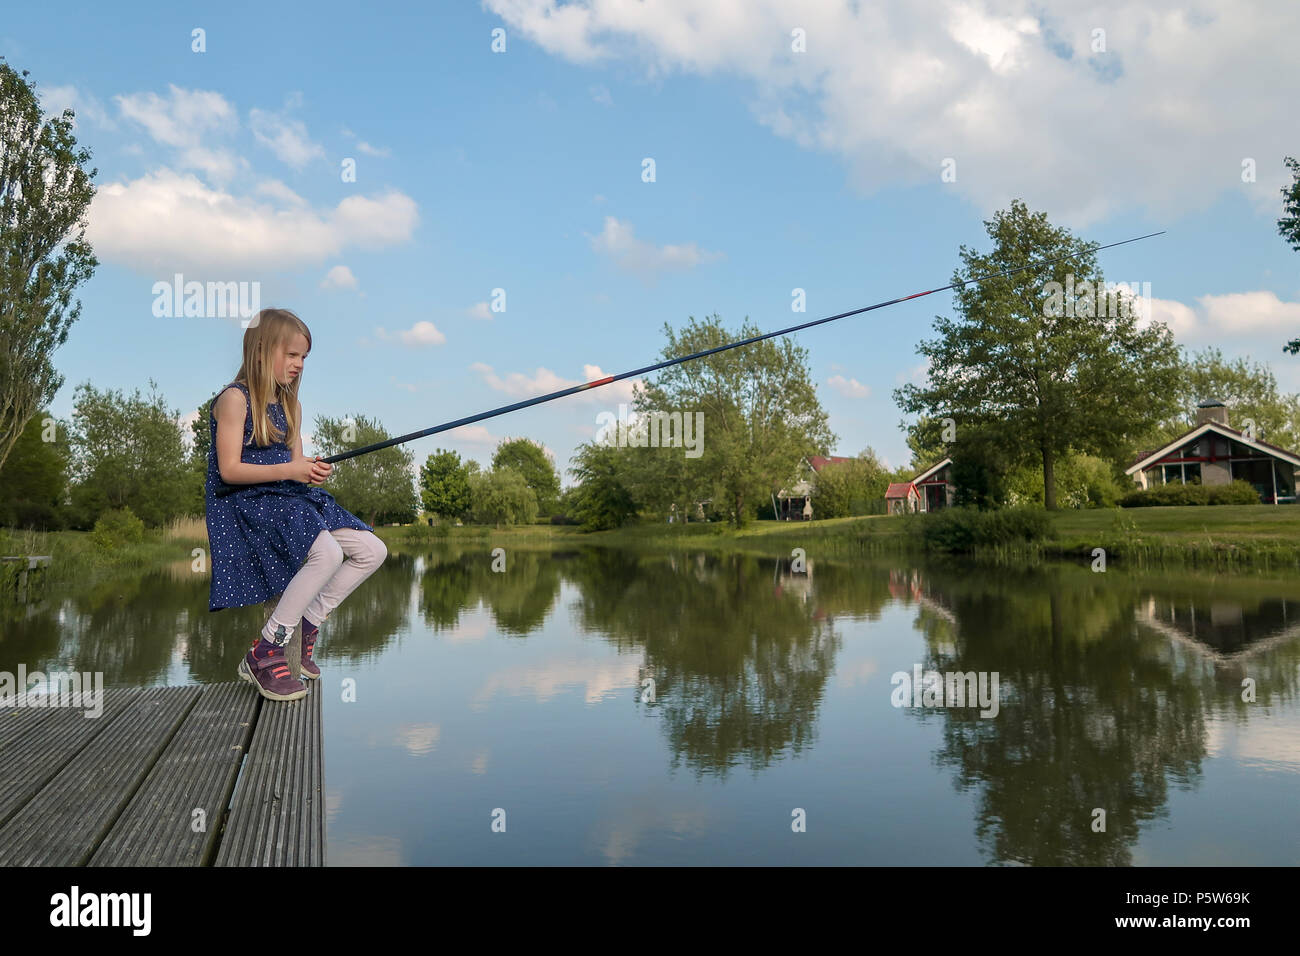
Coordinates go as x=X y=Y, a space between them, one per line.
x=266 y=332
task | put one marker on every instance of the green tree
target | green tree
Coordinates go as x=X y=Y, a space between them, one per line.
x=127 y=453
x=34 y=479
x=1288 y=226
x=660 y=480
x=1082 y=481
x=925 y=440
x=602 y=500
x=44 y=195
x=759 y=405
x=444 y=485
x=378 y=485
x=502 y=497
x=1038 y=371
x=530 y=460
x=982 y=464
x=857 y=487
x=1249 y=390
x=200 y=444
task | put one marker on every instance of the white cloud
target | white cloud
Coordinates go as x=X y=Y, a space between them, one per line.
x=278 y=190
x=1159 y=121
x=542 y=381
x=1251 y=312
x=645 y=259
x=475 y=435
x=55 y=99
x=369 y=150
x=479 y=310
x=136 y=224
x=182 y=120
x=600 y=94
x=285 y=137
x=340 y=277
x=1238 y=318
x=848 y=387
x=1180 y=318
x=421 y=333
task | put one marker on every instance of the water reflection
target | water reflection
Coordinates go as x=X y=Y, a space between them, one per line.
x=1115 y=689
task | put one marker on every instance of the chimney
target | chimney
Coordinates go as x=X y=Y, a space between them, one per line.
x=1212 y=410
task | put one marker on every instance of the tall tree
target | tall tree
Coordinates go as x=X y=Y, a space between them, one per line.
x=444 y=485
x=379 y=484
x=660 y=480
x=529 y=459
x=502 y=497
x=34 y=480
x=601 y=500
x=44 y=194
x=128 y=452
x=1042 y=368
x=760 y=409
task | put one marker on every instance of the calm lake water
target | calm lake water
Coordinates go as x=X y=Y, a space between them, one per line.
x=627 y=708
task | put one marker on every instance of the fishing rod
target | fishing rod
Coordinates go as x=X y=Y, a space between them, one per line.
x=574 y=389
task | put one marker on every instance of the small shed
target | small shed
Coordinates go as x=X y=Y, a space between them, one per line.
x=900 y=497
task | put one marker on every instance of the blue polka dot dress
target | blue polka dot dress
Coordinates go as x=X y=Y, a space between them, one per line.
x=259 y=535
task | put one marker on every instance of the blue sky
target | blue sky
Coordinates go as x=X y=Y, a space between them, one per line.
x=522 y=170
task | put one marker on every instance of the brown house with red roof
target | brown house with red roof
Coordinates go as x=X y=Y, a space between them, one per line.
x=901 y=496
x=1211 y=453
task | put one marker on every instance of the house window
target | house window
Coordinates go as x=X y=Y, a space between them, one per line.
x=1182 y=473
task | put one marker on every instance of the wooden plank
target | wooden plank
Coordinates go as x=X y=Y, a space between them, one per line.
x=38 y=743
x=277 y=816
x=197 y=771
x=63 y=824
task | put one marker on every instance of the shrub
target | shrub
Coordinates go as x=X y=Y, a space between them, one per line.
x=116 y=529
x=1237 y=493
x=964 y=529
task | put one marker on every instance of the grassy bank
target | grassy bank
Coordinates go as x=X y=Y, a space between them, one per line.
x=77 y=560
x=1219 y=536
x=1225 y=535
x=1228 y=536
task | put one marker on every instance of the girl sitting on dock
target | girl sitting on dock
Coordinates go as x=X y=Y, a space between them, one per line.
x=271 y=528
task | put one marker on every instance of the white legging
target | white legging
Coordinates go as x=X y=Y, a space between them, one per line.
x=325 y=578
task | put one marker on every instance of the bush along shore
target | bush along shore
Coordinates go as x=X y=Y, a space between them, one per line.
x=1226 y=536
x=1265 y=537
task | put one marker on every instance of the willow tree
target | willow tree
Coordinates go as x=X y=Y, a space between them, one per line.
x=44 y=195
x=1045 y=361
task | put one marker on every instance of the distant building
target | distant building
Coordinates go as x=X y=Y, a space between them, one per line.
x=1211 y=453
x=901 y=497
x=935 y=487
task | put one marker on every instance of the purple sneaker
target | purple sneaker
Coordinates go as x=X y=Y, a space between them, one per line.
x=307 y=667
x=271 y=677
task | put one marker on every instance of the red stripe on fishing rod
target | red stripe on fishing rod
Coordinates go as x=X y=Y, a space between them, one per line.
x=600 y=381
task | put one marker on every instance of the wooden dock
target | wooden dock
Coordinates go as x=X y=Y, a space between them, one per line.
x=204 y=775
x=20 y=567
